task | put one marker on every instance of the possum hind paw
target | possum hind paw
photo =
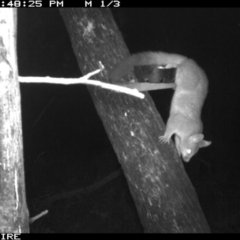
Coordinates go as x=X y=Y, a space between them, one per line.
x=164 y=139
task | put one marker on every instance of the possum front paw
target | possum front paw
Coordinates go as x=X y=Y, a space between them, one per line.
x=164 y=139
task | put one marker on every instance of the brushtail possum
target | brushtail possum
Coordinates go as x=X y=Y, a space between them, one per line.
x=191 y=86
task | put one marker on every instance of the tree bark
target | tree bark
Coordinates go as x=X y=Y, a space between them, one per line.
x=13 y=207
x=165 y=199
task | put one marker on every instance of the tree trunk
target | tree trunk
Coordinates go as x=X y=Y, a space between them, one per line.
x=165 y=199
x=13 y=210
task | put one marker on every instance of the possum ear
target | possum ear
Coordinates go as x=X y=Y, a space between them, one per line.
x=196 y=138
x=204 y=143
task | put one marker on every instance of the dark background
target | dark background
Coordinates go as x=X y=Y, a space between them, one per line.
x=65 y=144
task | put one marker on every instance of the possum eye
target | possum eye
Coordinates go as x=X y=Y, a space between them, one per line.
x=189 y=151
x=187 y=155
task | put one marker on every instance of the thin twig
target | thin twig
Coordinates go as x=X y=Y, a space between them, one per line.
x=31 y=220
x=83 y=80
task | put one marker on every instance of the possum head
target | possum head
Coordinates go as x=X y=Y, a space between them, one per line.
x=189 y=146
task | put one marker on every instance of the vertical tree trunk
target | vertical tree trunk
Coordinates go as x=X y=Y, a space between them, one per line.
x=13 y=208
x=165 y=199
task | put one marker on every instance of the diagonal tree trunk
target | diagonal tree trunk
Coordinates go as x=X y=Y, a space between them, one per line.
x=164 y=196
